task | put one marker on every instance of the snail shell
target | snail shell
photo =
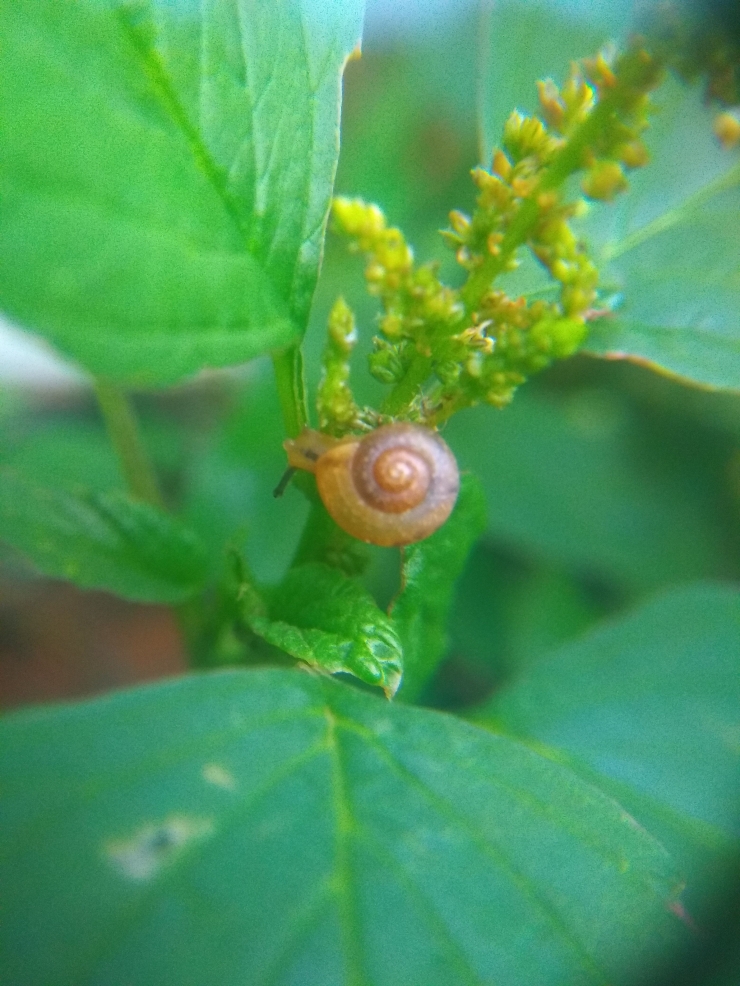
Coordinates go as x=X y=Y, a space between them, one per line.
x=391 y=487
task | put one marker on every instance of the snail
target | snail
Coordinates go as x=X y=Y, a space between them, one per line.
x=391 y=487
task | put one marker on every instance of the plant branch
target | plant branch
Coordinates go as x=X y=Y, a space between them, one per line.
x=291 y=386
x=123 y=430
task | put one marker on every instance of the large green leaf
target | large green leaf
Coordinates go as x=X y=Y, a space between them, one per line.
x=430 y=571
x=671 y=248
x=276 y=828
x=165 y=173
x=649 y=706
x=101 y=540
x=320 y=616
x=571 y=481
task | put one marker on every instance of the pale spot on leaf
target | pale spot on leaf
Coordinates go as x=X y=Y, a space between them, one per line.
x=214 y=773
x=155 y=845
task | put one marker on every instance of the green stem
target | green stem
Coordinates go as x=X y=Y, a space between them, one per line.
x=408 y=386
x=323 y=541
x=291 y=386
x=123 y=429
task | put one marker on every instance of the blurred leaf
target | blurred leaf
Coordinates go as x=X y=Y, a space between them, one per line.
x=549 y=607
x=101 y=540
x=319 y=615
x=165 y=174
x=69 y=451
x=430 y=571
x=671 y=249
x=64 y=454
x=564 y=481
x=230 y=478
x=650 y=707
x=508 y=612
x=408 y=127
x=268 y=827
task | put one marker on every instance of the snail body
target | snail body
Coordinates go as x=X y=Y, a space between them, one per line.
x=391 y=487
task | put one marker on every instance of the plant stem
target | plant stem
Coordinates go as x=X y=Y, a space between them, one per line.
x=323 y=541
x=409 y=386
x=291 y=388
x=123 y=429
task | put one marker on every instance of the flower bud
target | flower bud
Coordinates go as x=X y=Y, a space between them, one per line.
x=605 y=180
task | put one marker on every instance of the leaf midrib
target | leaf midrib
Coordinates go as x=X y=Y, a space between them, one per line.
x=674 y=216
x=156 y=72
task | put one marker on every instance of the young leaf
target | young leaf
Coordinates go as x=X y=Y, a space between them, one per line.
x=268 y=827
x=101 y=541
x=166 y=168
x=320 y=616
x=670 y=249
x=430 y=570
x=649 y=707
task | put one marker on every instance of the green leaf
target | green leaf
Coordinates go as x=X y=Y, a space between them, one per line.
x=320 y=616
x=68 y=450
x=572 y=482
x=269 y=827
x=430 y=571
x=508 y=612
x=165 y=174
x=650 y=707
x=670 y=250
x=230 y=477
x=101 y=541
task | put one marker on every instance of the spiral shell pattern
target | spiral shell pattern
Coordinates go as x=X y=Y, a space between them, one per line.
x=395 y=486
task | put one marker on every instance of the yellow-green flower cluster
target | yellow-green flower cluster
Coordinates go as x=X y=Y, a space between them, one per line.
x=623 y=92
x=417 y=307
x=441 y=348
x=698 y=39
x=336 y=405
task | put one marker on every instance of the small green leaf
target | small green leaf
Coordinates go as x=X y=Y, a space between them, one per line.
x=320 y=616
x=650 y=707
x=165 y=173
x=430 y=570
x=101 y=541
x=670 y=250
x=273 y=828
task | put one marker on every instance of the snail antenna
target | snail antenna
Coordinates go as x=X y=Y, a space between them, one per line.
x=285 y=479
